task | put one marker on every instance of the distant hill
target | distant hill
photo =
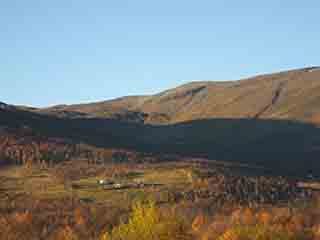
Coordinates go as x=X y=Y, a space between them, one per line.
x=291 y=95
x=269 y=121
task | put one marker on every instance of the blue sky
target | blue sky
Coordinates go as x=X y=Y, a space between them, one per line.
x=71 y=51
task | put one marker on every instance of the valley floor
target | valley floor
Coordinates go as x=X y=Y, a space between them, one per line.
x=86 y=201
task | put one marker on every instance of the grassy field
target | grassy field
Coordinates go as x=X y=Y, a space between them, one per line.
x=43 y=184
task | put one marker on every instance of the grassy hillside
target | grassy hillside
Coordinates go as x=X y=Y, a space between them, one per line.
x=287 y=95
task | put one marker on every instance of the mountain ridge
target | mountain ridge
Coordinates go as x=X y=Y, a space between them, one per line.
x=263 y=96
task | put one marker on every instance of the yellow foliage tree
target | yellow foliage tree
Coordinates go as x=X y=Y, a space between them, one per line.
x=105 y=236
x=147 y=223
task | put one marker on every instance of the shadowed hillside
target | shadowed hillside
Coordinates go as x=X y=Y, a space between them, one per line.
x=281 y=145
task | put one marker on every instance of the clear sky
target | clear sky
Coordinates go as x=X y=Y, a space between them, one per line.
x=71 y=51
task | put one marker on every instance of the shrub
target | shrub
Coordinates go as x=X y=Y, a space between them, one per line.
x=198 y=223
x=260 y=232
x=67 y=233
